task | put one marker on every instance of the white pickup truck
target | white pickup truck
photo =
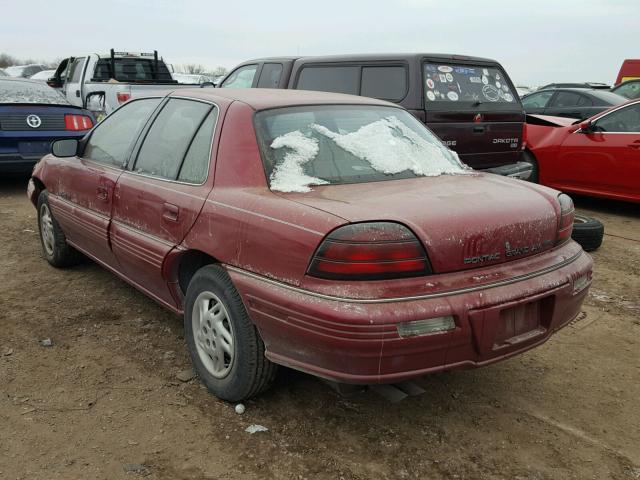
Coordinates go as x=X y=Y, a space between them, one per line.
x=102 y=83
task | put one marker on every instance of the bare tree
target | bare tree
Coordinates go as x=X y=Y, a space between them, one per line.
x=192 y=68
x=219 y=71
x=7 y=60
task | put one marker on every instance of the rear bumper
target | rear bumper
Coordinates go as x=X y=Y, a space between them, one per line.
x=356 y=341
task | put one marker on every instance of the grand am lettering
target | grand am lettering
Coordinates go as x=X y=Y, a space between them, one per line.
x=516 y=251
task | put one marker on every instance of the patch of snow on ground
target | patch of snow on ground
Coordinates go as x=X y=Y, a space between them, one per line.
x=289 y=175
x=392 y=147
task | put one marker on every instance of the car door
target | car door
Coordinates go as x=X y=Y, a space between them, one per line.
x=159 y=197
x=605 y=159
x=73 y=85
x=535 y=103
x=84 y=190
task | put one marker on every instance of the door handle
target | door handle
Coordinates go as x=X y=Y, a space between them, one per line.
x=77 y=93
x=102 y=193
x=170 y=212
x=635 y=145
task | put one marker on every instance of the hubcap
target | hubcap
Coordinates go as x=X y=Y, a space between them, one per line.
x=213 y=334
x=46 y=229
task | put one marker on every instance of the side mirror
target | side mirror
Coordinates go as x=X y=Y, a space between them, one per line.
x=54 y=82
x=586 y=126
x=65 y=148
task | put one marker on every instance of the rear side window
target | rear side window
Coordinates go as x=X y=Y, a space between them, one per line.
x=270 y=75
x=112 y=140
x=387 y=83
x=467 y=85
x=566 y=99
x=196 y=162
x=241 y=78
x=537 y=100
x=330 y=79
x=169 y=137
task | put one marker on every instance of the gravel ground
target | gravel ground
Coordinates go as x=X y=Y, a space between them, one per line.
x=104 y=401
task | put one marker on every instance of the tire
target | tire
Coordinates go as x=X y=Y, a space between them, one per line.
x=225 y=347
x=528 y=157
x=54 y=244
x=588 y=232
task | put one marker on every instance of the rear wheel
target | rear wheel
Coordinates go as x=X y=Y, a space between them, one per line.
x=54 y=243
x=588 y=232
x=225 y=347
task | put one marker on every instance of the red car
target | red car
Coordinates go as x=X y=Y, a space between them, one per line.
x=599 y=156
x=329 y=233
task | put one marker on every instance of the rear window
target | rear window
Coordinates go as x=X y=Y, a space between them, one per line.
x=329 y=145
x=609 y=98
x=463 y=84
x=19 y=91
x=132 y=69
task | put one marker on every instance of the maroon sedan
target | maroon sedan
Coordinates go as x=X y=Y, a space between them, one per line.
x=329 y=233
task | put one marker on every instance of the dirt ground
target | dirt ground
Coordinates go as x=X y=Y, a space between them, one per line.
x=103 y=402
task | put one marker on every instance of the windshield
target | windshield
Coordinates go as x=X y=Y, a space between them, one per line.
x=466 y=84
x=319 y=145
x=22 y=91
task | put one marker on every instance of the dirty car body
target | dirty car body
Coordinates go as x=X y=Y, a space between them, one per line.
x=349 y=268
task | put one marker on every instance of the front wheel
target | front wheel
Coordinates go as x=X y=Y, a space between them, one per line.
x=225 y=347
x=529 y=158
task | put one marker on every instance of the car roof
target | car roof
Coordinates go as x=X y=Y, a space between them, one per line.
x=370 y=57
x=264 y=98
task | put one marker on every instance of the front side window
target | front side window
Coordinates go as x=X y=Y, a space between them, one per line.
x=270 y=75
x=537 y=100
x=169 y=137
x=319 y=145
x=241 y=78
x=386 y=83
x=625 y=120
x=338 y=79
x=112 y=140
x=76 y=70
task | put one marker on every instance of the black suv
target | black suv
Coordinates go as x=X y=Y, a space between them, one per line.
x=469 y=102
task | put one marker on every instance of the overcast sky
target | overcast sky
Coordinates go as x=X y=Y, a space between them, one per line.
x=536 y=41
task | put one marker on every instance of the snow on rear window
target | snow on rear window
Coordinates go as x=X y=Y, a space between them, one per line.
x=306 y=146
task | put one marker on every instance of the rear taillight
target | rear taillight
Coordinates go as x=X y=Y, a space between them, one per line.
x=77 y=122
x=123 y=97
x=370 y=251
x=567 y=213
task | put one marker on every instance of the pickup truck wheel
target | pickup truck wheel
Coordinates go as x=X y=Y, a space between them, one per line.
x=54 y=243
x=588 y=232
x=528 y=157
x=225 y=347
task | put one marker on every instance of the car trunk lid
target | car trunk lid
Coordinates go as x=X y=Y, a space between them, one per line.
x=464 y=221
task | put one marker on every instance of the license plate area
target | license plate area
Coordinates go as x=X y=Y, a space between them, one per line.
x=508 y=327
x=33 y=148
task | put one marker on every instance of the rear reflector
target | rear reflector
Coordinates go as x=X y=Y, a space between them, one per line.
x=426 y=327
x=567 y=214
x=581 y=282
x=370 y=251
x=77 y=122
